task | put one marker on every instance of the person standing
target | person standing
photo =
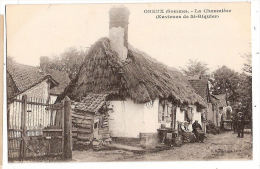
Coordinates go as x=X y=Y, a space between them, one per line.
x=240 y=124
x=234 y=122
x=197 y=130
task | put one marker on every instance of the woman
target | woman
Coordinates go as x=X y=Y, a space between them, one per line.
x=187 y=134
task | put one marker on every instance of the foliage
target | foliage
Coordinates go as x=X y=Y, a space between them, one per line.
x=196 y=68
x=226 y=81
x=10 y=60
x=247 y=68
x=69 y=61
x=245 y=90
x=237 y=86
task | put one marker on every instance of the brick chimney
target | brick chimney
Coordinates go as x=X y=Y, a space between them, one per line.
x=118 y=30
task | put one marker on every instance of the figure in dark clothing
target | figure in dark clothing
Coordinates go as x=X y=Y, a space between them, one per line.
x=234 y=123
x=240 y=124
x=197 y=130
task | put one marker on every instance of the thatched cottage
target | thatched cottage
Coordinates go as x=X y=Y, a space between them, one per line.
x=142 y=92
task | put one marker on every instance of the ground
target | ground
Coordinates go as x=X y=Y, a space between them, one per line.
x=224 y=146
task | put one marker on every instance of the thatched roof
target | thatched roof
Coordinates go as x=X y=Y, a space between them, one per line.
x=140 y=78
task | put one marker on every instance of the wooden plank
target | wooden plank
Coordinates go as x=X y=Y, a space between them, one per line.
x=84 y=131
x=17 y=130
x=52 y=137
x=84 y=143
x=105 y=135
x=74 y=130
x=86 y=115
x=82 y=117
x=23 y=127
x=57 y=106
x=78 y=121
x=15 y=138
x=52 y=130
x=82 y=125
x=32 y=102
x=67 y=152
x=84 y=138
x=62 y=124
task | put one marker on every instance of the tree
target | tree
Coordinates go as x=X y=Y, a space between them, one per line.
x=236 y=86
x=195 y=68
x=69 y=61
x=10 y=60
x=247 y=67
x=245 y=89
x=226 y=81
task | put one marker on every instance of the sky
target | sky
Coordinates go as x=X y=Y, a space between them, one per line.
x=48 y=30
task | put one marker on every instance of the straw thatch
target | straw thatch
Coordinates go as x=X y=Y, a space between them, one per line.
x=139 y=78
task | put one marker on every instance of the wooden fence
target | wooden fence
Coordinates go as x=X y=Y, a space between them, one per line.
x=36 y=128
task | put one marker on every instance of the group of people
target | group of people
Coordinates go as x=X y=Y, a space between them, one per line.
x=192 y=132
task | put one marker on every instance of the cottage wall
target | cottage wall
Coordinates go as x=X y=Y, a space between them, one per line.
x=151 y=122
x=212 y=113
x=165 y=113
x=196 y=114
x=53 y=98
x=129 y=119
x=179 y=116
x=40 y=91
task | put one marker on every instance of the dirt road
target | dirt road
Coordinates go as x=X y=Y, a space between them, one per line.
x=225 y=146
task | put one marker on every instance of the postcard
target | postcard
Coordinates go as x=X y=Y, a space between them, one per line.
x=129 y=82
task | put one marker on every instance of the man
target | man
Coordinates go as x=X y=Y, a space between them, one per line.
x=197 y=130
x=234 y=123
x=240 y=124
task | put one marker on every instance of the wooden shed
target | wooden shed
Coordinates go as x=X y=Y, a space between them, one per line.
x=90 y=119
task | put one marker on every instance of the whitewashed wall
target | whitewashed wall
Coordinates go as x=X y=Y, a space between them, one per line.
x=40 y=91
x=53 y=98
x=196 y=115
x=129 y=119
x=151 y=121
x=165 y=110
x=179 y=116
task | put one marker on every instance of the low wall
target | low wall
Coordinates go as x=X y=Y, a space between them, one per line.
x=149 y=140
